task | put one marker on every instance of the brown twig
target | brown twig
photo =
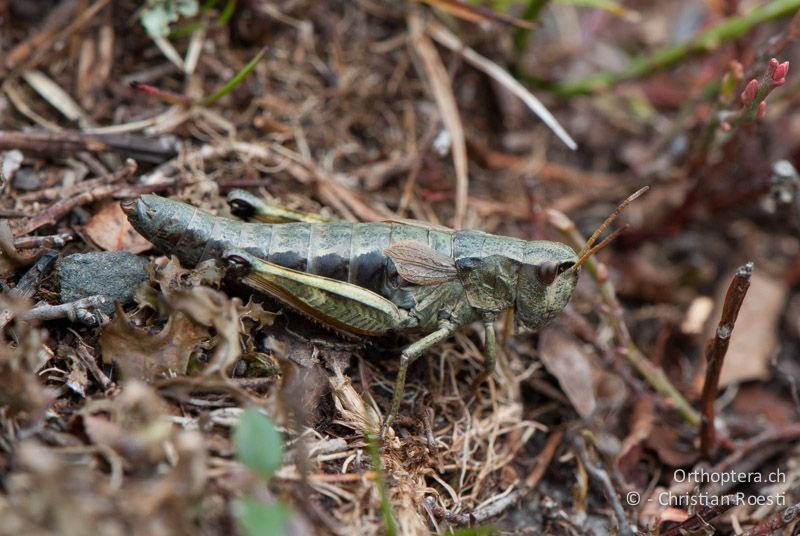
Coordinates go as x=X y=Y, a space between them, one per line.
x=84 y=311
x=28 y=283
x=601 y=477
x=52 y=214
x=476 y=516
x=70 y=142
x=776 y=522
x=715 y=351
x=47 y=241
x=31 y=53
x=700 y=519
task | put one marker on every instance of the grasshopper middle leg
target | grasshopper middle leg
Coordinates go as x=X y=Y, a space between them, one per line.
x=409 y=355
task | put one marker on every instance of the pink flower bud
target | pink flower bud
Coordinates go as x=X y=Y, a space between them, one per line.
x=762 y=110
x=750 y=91
x=725 y=126
x=778 y=71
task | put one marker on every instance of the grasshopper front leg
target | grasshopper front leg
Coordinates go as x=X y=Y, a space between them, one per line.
x=489 y=351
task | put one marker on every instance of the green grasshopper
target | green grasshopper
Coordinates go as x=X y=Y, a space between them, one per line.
x=372 y=279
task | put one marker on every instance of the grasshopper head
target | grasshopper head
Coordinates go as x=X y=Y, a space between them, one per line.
x=546 y=281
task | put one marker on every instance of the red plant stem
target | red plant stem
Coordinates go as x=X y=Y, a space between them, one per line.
x=773 y=524
x=715 y=351
x=701 y=519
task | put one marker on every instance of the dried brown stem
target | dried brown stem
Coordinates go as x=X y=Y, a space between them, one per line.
x=47 y=241
x=776 y=522
x=715 y=351
x=84 y=311
x=67 y=143
x=601 y=477
x=28 y=283
x=52 y=214
x=701 y=519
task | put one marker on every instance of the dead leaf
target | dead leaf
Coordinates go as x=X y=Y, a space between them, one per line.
x=756 y=401
x=134 y=424
x=256 y=312
x=672 y=448
x=143 y=355
x=641 y=425
x=212 y=308
x=22 y=393
x=565 y=358
x=78 y=380
x=110 y=230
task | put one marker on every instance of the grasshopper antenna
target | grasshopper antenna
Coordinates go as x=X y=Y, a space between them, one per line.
x=589 y=248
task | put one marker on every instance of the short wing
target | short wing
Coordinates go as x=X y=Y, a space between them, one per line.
x=335 y=303
x=420 y=264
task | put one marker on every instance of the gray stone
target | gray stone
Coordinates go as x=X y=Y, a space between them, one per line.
x=114 y=274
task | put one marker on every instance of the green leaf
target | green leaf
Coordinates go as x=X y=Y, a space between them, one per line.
x=258 y=443
x=187 y=8
x=157 y=15
x=236 y=80
x=258 y=519
x=155 y=20
x=227 y=13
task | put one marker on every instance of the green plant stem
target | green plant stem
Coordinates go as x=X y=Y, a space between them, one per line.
x=531 y=13
x=389 y=524
x=728 y=30
x=236 y=80
x=653 y=374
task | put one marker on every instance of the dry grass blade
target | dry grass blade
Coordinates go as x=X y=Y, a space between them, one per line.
x=474 y=13
x=57 y=97
x=445 y=100
x=169 y=52
x=450 y=40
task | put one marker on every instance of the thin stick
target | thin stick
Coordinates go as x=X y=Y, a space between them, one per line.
x=774 y=523
x=702 y=518
x=28 y=283
x=83 y=311
x=715 y=351
x=601 y=477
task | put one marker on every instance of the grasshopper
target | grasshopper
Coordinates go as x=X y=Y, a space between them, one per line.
x=372 y=279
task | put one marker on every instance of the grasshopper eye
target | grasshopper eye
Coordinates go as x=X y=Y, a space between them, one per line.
x=549 y=270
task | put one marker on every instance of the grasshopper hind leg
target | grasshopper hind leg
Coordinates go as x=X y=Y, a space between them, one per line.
x=252 y=208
